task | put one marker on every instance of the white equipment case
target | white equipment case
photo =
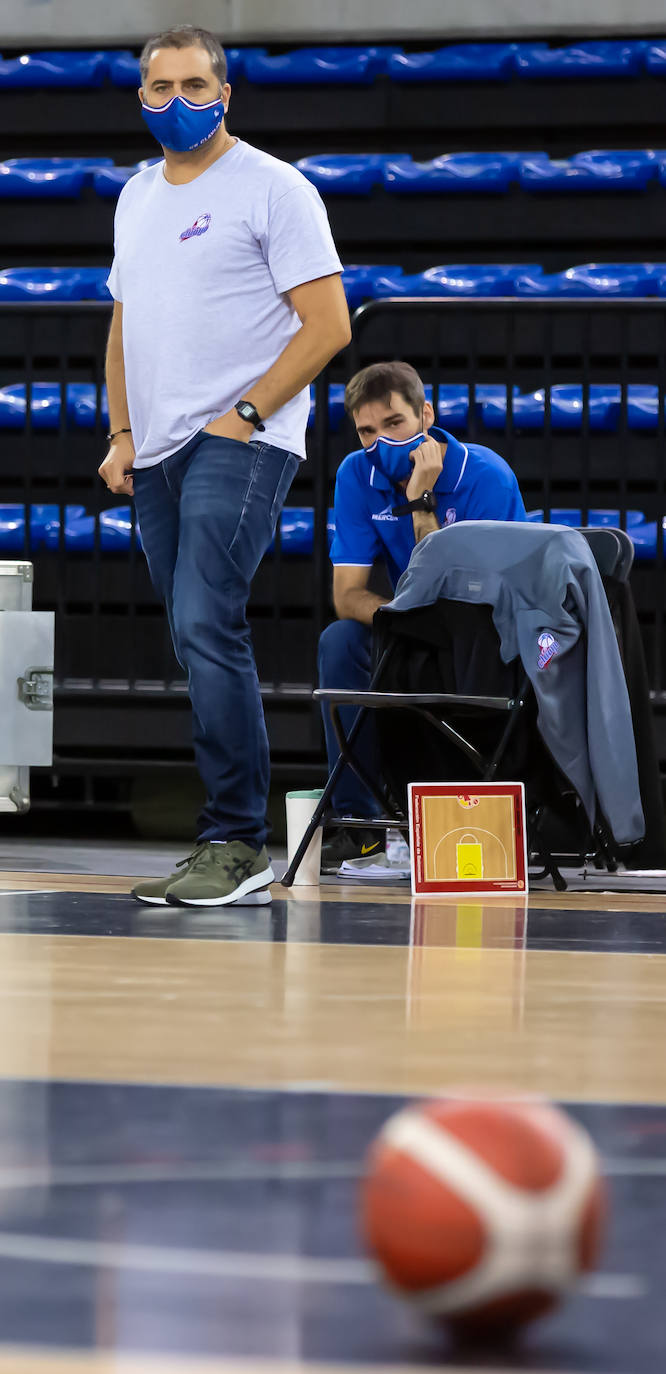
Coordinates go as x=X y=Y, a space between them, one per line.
x=26 y=685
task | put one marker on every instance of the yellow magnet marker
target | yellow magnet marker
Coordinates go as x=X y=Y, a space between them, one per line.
x=469 y=859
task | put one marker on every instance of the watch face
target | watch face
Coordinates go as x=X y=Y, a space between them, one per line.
x=428 y=501
x=246 y=411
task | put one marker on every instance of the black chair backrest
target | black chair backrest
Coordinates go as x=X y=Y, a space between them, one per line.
x=613 y=551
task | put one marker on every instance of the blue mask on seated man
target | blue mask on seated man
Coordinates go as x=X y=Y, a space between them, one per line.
x=391 y=456
x=181 y=124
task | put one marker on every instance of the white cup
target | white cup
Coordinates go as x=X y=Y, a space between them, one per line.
x=300 y=810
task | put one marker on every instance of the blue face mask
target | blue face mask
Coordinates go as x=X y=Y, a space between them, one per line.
x=391 y=456
x=181 y=125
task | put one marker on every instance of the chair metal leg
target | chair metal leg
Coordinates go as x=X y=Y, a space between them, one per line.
x=341 y=763
x=507 y=731
x=352 y=762
x=323 y=802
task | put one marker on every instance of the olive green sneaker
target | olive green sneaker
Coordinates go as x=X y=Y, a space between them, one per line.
x=154 y=890
x=219 y=874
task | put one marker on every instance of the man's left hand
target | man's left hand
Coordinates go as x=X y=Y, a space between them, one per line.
x=428 y=464
x=230 y=426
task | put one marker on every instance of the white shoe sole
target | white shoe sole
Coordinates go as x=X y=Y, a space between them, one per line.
x=244 y=890
x=261 y=898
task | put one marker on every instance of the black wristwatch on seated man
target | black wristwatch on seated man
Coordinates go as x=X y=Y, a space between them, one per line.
x=426 y=501
x=249 y=413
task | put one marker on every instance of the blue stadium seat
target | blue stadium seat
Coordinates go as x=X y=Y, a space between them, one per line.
x=123 y=68
x=53 y=283
x=82 y=405
x=346 y=174
x=453 y=402
x=297 y=530
x=642 y=407
x=12 y=526
x=452 y=407
x=597 y=170
x=115 y=527
x=655 y=57
x=475 y=279
x=49 y=69
x=44 y=406
x=581 y=60
x=92 y=283
x=644 y=538
x=459 y=62
x=49 y=176
x=566 y=402
x=642 y=533
x=317 y=66
x=21 y=177
x=463 y=172
x=39 y=283
x=336 y=406
x=360 y=281
x=609 y=519
x=109 y=182
x=591 y=279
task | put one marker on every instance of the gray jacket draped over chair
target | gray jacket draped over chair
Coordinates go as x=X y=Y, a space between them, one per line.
x=550 y=609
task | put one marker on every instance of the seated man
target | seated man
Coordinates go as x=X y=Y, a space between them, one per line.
x=408 y=479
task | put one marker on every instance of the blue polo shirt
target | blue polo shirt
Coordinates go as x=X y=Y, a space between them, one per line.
x=475 y=484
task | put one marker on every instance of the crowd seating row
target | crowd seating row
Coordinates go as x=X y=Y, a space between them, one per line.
x=358 y=65
x=112 y=531
x=358 y=174
x=363 y=282
x=491 y=407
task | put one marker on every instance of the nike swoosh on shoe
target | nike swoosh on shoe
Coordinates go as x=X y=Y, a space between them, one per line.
x=368 y=848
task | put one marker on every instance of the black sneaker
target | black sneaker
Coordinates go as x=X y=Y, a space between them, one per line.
x=351 y=843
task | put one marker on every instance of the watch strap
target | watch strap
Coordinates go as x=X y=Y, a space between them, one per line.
x=417 y=504
x=254 y=418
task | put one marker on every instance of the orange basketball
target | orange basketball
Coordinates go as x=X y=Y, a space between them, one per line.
x=483 y=1212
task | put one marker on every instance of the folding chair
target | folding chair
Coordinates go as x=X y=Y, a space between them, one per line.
x=445 y=713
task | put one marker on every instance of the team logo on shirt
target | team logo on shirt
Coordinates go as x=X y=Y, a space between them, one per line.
x=386 y=514
x=548 y=648
x=201 y=224
x=451 y=516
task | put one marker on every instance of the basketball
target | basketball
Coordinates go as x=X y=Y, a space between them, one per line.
x=483 y=1213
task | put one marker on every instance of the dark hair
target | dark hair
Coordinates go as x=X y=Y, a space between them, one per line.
x=186 y=36
x=376 y=382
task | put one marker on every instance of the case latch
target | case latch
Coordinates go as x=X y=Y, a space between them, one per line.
x=35 y=689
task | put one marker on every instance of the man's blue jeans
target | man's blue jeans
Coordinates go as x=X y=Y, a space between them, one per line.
x=345 y=660
x=207 y=516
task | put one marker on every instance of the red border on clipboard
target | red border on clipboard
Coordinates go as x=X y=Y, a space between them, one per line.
x=419 y=790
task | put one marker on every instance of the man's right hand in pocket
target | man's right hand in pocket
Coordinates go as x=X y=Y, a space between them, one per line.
x=116 y=470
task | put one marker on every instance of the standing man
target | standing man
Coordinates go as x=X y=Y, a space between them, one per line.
x=227 y=303
x=407 y=479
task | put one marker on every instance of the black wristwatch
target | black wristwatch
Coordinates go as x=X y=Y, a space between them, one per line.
x=426 y=501
x=249 y=413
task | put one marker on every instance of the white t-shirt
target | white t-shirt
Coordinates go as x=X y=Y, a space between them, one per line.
x=202 y=270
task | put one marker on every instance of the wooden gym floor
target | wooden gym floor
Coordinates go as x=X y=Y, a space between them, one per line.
x=186 y=1099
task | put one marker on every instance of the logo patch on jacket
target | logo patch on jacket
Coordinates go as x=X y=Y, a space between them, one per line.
x=451 y=516
x=201 y=224
x=548 y=648
x=385 y=514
